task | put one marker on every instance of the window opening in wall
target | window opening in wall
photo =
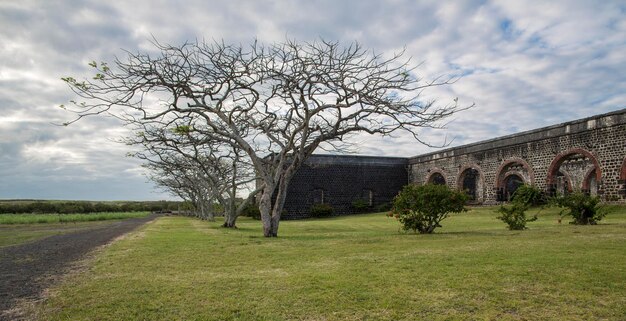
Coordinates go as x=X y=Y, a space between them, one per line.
x=437 y=179
x=368 y=196
x=511 y=175
x=562 y=184
x=511 y=184
x=470 y=183
x=590 y=186
x=318 y=196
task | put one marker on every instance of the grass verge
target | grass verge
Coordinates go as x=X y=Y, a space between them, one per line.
x=65 y=218
x=22 y=228
x=355 y=268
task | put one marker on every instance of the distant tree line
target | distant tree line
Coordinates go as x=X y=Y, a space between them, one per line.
x=74 y=207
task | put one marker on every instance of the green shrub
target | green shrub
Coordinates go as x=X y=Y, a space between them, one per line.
x=252 y=210
x=321 y=210
x=43 y=207
x=360 y=205
x=515 y=215
x=219 y=209
x=422 y=208
x=71 y=207
x=529 y=195
x=102 y=207
x=524 y=197
x=384 y=207
x=583 y=208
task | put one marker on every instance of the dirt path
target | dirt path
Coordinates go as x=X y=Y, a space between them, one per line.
x=27 y=269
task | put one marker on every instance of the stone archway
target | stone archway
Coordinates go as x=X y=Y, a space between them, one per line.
x=436 y=177
x=590 y=183
x=470 y=180
x=511 y=174
x=562 y=184
x=574 y=170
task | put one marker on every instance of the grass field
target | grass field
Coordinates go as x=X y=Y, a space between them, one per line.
x=354 y=268
x=65 y=218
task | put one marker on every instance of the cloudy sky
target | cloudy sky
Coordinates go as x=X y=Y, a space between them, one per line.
x=526 y=64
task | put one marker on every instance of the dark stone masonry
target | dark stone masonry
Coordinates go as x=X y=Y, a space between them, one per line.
x=341 y=180
x=587 y=154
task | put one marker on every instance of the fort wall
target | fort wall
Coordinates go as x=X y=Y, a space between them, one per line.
x=586 y=154
x=339 y=180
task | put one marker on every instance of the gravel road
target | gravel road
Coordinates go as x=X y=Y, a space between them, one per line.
x=26 y=270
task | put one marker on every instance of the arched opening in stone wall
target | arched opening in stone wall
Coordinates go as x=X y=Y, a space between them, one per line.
x=562 y=184
x=511 y=184
x=510 y=175
x=574 y=170
x=436 y=178
x=590 y=184
x=470 y=181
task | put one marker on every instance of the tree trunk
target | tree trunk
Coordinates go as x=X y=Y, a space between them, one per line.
x=265 y=207
x=200 y=211
x=275 y=221
x=279 y=203
x=236 y=211
x=195 y=207
x=230 y=215
x=207 y=211
x=229 y=221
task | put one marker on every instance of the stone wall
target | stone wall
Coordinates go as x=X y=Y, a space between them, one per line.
x=340 y=180
x=586 y=154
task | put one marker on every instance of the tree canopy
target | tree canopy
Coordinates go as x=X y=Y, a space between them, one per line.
x=276 y=103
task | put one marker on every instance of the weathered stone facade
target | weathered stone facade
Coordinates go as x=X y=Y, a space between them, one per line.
x=587 y=154
x=341 y=180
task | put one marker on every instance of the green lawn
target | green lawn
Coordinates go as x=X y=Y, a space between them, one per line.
x=354 y=268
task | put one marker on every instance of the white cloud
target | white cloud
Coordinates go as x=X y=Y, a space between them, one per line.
x=525 y=64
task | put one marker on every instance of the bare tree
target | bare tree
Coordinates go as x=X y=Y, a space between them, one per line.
x=185 y=183
x=196 y=168
x=277 y=103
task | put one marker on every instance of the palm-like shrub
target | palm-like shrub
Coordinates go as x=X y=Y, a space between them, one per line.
x=515 y=215
x=583 y=208
x=529 y=195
